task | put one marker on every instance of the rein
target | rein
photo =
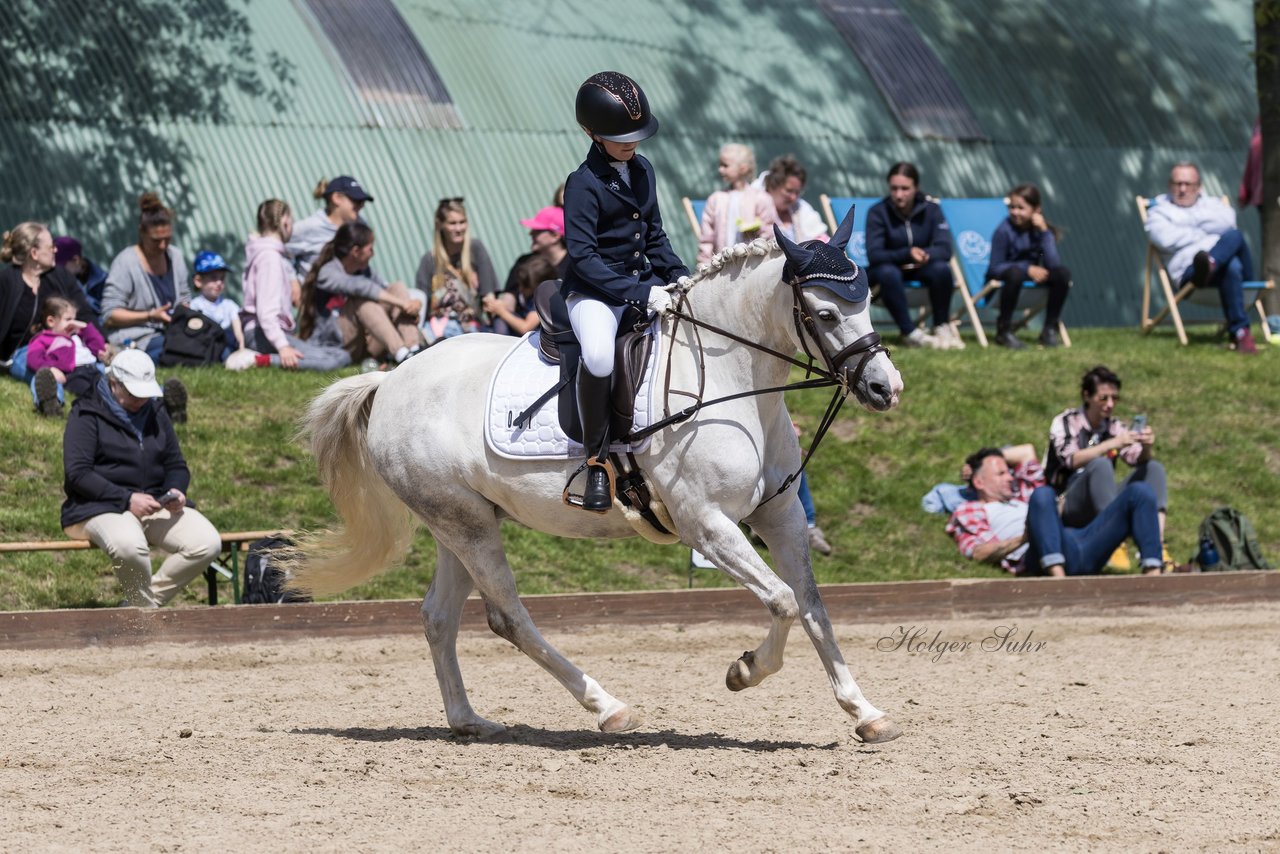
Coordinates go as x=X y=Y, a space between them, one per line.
x=866 y=346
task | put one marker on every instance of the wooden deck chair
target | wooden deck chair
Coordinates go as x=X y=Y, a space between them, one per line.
x=693 y=209
x=835 y=208
x=973 y=222
x=1188 y=292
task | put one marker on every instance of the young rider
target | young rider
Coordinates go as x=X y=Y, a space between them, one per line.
x=619 y=255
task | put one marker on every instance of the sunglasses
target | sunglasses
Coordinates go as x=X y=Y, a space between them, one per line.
x=452 y=200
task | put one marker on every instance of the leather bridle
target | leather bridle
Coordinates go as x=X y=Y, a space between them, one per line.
x=865 y=348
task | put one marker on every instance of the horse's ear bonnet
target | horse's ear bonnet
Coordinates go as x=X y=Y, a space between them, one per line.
x=817 y=264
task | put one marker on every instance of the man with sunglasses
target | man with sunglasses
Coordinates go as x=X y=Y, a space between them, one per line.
x=1199 y=243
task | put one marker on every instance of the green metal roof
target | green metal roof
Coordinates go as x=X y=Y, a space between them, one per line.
x=1092 y=101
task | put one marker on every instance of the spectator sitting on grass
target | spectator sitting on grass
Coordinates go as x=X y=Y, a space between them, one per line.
x=344 y=198
x=27 y=278
x=268 y=302
x=346 y=303
x=211 y=281
x=67 y=353
x=1014 y=523
x=145 y=281
x=1084 y=444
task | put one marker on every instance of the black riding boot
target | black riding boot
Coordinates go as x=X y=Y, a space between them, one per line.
x=593 y=410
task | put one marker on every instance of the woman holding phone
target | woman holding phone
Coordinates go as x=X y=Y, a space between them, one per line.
x=1086 y=441
x=126 y=483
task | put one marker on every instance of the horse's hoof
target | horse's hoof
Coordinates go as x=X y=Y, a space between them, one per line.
x=623 y=720
x=739 y=675
x=478 y=728
x=878 y=731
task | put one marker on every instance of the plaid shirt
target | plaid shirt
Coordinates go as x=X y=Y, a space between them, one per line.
x=1070 y=432
x=969 y=524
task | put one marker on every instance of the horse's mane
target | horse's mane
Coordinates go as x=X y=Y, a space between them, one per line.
x=733 y=257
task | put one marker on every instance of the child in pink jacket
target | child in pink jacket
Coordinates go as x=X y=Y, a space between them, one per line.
x=66 y=354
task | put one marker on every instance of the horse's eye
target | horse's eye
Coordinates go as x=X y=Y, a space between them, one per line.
x=827 y=314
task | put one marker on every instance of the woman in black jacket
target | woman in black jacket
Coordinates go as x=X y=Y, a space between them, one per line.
x=126 y=483
x=28 y=277
x=908 y=240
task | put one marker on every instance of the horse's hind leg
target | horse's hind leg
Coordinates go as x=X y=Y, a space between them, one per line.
x=781 y=525
x=441 y=614
x=471 y=532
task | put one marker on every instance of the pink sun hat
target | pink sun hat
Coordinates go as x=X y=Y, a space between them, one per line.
x=548 y=219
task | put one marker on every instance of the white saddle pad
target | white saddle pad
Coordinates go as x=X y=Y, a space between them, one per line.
x=522 y=377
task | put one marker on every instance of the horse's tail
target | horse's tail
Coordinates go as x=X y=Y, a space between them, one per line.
x=376 y=526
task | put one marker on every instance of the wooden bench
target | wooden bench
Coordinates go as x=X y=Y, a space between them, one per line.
x=232 y=545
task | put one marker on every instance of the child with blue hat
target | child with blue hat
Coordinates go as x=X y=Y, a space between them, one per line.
x=210 y=280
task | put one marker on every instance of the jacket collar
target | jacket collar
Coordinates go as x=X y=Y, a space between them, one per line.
x=639 y=191
x=104 y=405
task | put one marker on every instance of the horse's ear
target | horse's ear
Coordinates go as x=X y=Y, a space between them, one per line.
x=798 y=256
x=841 y=238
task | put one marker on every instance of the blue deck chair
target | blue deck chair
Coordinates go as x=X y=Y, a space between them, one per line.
x=973 y=222
x=1188 y=292
x=693 y=209
x=835 y=209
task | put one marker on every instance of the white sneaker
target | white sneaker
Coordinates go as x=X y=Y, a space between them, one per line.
x=919 y=338
x=241 y=360
x=949 y=336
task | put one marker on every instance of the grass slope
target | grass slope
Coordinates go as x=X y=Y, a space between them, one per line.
x=1214 y=413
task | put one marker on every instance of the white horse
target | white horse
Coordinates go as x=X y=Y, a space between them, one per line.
x=411 y=439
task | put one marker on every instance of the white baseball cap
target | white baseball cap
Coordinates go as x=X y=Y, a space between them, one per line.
x=136 y=372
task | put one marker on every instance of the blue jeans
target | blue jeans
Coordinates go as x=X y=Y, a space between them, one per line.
x=935 y=276
x=1084 y=551
x=1233 y=266
x=18 y=366
x=806 y=500
x=79 y=382
x=155 y=346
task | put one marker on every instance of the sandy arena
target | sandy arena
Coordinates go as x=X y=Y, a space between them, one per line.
x=1154 y=732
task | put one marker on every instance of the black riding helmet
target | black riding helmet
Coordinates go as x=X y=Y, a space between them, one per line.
x=611 y=106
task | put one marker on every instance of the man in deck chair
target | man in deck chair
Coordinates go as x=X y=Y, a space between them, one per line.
x=1199 y=243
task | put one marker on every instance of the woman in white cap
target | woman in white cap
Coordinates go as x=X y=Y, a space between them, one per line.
x=126 y=483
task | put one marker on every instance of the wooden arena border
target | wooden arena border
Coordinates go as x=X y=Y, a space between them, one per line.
x=846 y=603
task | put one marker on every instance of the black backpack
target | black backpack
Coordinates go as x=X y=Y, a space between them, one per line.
x=1232 y=534
x=191 y=338
x=264 y=580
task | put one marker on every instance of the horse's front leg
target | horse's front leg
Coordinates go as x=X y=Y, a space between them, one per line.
x=722 y=542
x=781 y=524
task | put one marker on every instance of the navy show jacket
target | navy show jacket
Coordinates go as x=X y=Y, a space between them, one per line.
x=617 y=247
x=890 y=235
x=105 y=463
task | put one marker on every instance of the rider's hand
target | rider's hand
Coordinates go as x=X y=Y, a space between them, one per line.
x=659 y=300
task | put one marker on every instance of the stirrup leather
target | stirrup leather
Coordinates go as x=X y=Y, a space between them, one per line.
x=574 y=499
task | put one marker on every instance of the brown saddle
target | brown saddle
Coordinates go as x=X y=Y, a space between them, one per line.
x=559 y=346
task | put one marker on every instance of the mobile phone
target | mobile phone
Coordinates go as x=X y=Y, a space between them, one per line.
x=169 y=497
x=1139 y=423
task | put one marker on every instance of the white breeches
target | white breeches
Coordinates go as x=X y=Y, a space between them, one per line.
x=596 y=325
